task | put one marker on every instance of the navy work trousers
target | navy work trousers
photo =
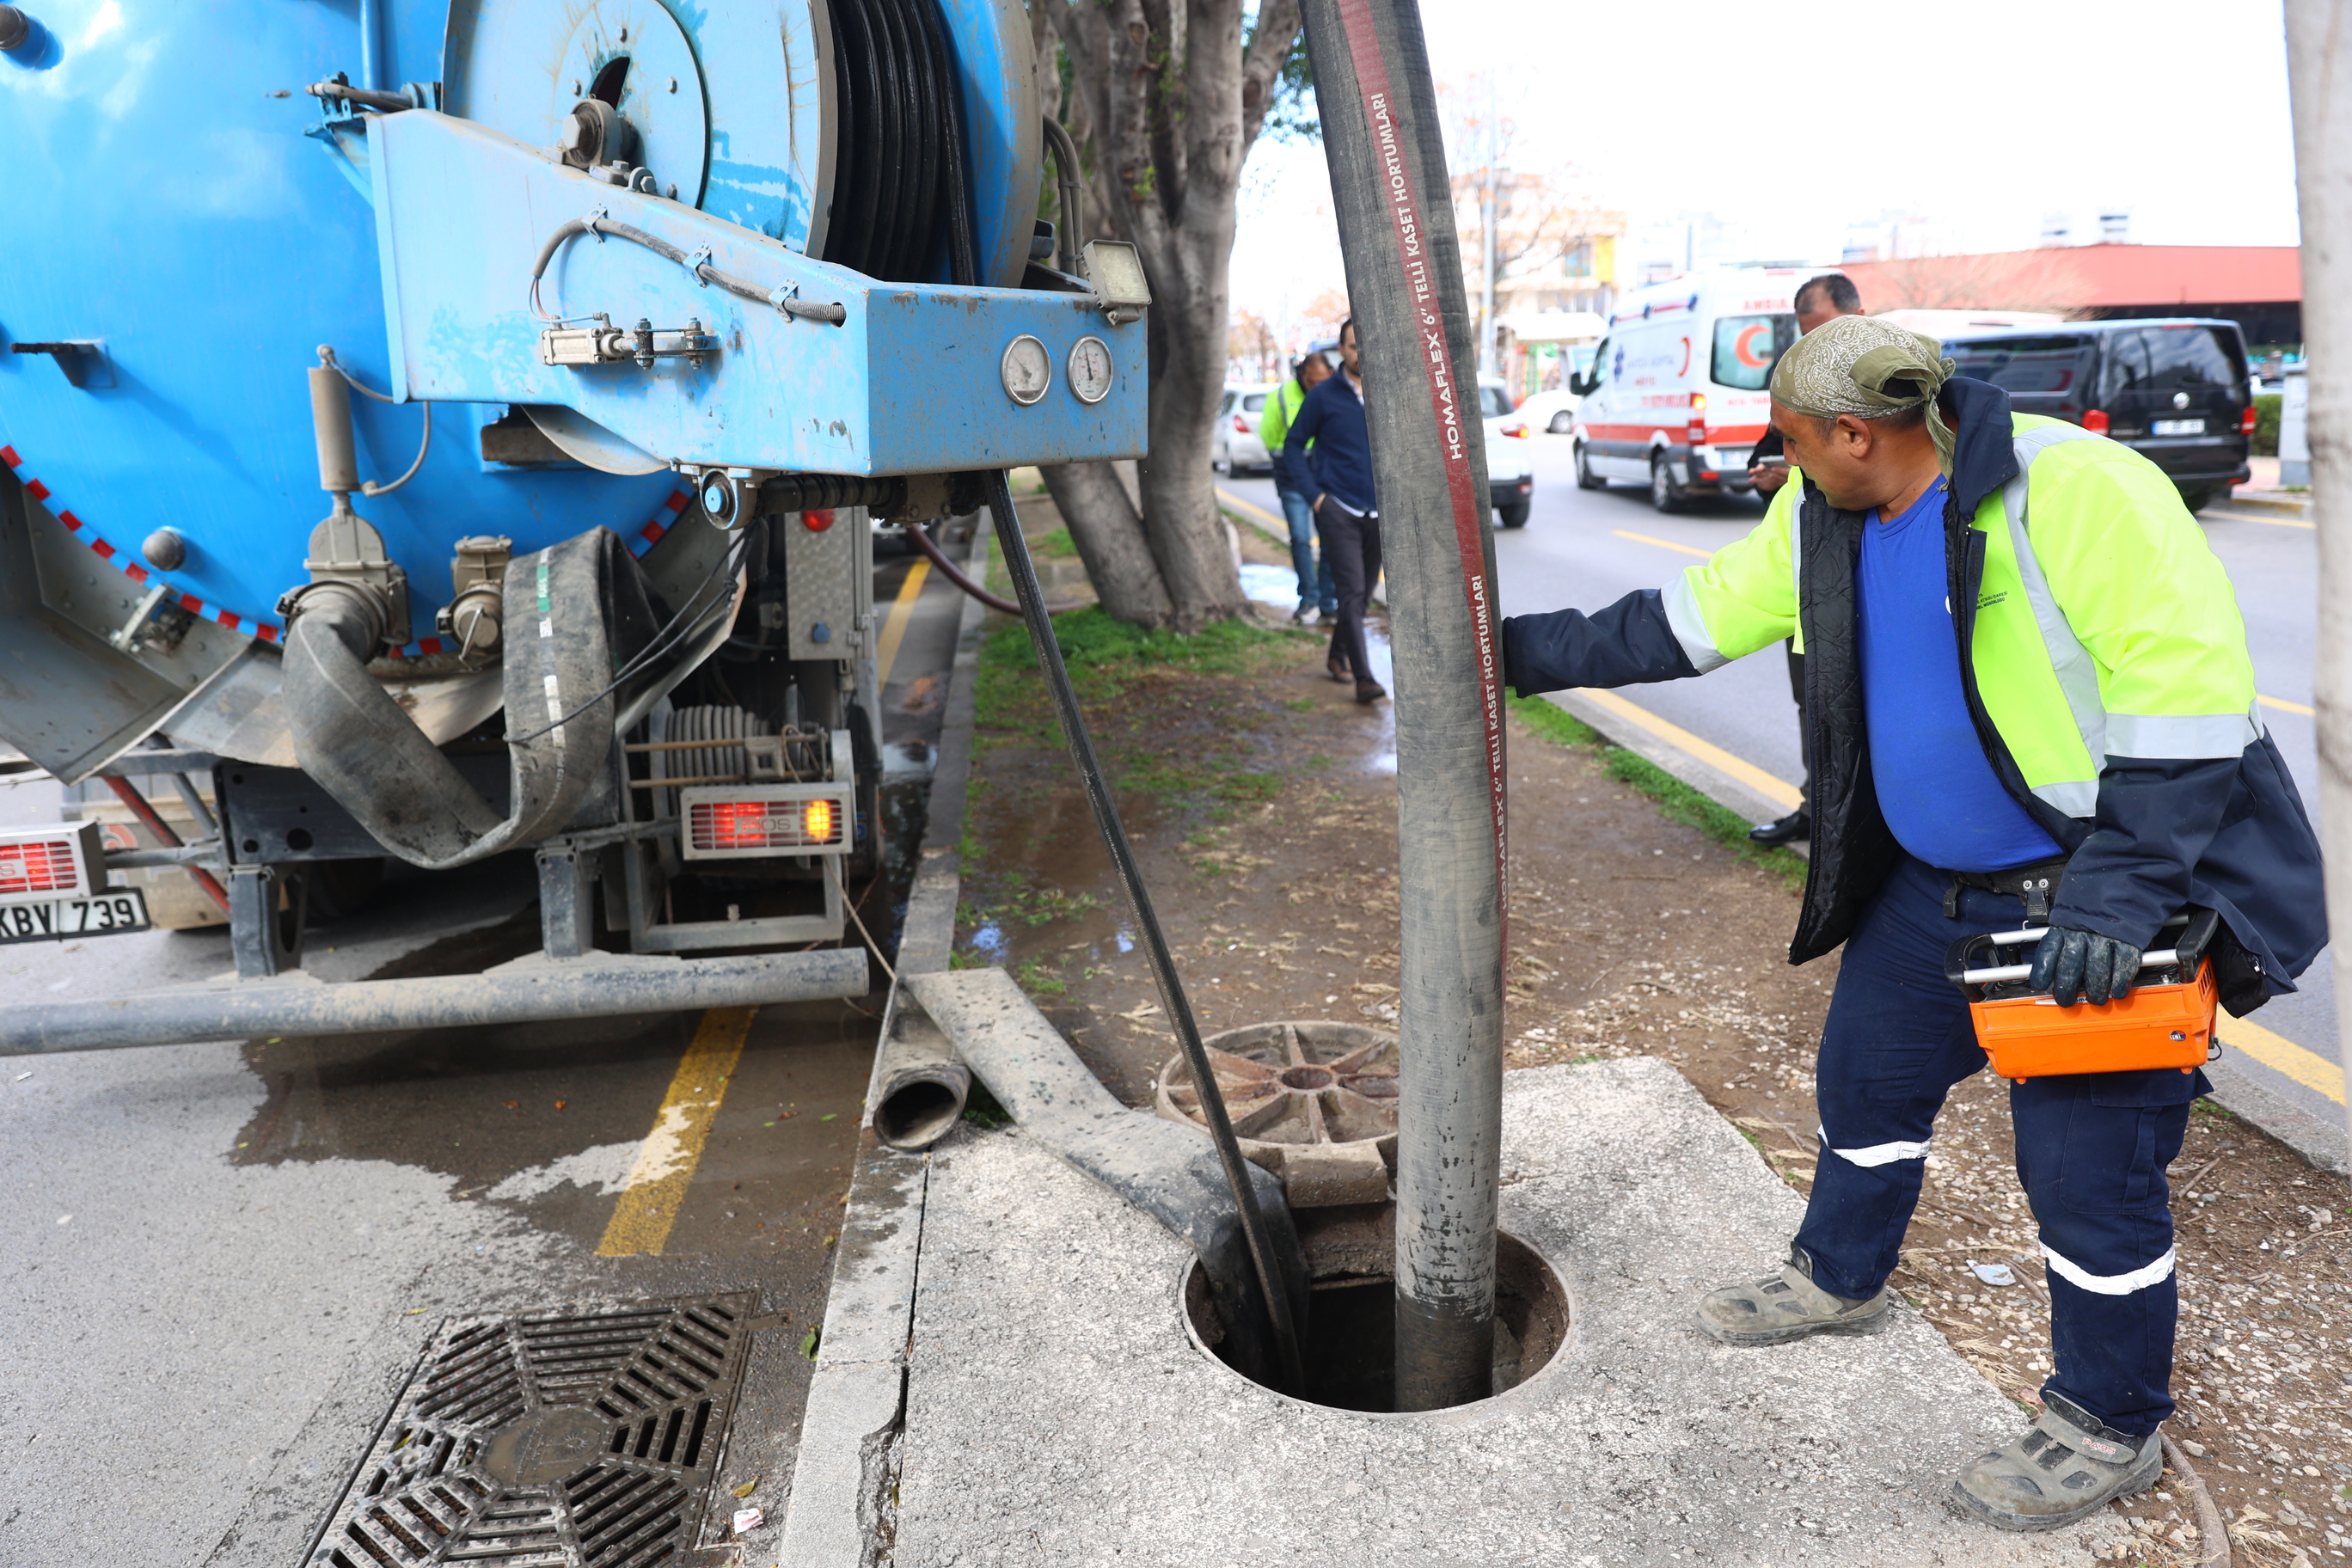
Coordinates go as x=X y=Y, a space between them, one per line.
x=2091 y=1151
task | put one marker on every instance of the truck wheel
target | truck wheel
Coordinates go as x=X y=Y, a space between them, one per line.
x=1561 y=423
x=1665 y=493
x=1515 y=515
x=1586 y=479
x=2196 y=498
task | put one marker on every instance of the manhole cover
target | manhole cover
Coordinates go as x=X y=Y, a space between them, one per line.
x=1313 y=1102
x=566 y=1438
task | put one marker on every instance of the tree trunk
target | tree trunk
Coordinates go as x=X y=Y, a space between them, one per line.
x=1108 y=533
x=1165 y=104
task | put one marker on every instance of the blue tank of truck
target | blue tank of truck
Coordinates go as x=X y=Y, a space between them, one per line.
x=186 y=230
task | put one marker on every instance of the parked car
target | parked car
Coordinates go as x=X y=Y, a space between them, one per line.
x=1510 y=468
x=2174 y=391
x=1552 y=412
x=1235 y=448
x=1677 y=394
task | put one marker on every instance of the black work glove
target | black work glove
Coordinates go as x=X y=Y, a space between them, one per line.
x=2084 y=966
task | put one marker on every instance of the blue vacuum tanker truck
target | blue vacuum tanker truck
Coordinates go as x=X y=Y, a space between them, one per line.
x=432 y=429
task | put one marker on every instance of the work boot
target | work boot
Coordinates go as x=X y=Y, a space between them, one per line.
x=1370 y=691
x=1798 y=824
x=2064 y=1466
x=1787 y=1306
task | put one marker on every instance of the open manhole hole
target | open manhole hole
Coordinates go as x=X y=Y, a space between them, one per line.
x=1350 y=1340
x=571 y=1438
x=1314 y=1103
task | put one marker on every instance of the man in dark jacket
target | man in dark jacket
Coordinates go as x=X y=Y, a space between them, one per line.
x=1818 y=301
x=1346 y=510
x=2054 y=721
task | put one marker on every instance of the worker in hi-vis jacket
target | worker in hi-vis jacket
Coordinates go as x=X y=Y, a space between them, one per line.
x=2028 y=694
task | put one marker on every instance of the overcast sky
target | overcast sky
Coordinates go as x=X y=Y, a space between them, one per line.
x=1795 y=123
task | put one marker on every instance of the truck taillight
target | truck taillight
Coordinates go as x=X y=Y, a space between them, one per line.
x=56 y=862
x=1240 y=425
x=723 y=821
x=1696 y=433
x=2246 y=421
x=2095 y=421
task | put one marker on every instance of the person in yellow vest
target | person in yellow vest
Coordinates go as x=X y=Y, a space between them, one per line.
x=2028 y=696
x=1295 y=490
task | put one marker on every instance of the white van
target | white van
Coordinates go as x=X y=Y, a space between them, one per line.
x=1676 y=395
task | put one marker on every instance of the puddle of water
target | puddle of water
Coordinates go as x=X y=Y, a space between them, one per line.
x=1276 y=587
x=908 y=759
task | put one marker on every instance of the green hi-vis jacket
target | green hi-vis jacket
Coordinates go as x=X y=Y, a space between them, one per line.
x=2103 y=658
x=2146 y=658
x=1273 y=428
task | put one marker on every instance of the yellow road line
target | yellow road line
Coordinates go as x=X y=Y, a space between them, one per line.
x=658 y=1182
x=1280 y=525
x=1662 y=543
x=2250 y=517
x=2307 y=1068
x=1777 y=789
x=902 y=612
x=2283 y=706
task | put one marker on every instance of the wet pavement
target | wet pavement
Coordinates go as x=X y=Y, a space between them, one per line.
x=222 y=1258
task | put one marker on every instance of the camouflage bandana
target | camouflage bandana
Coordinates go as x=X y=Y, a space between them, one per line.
x=1868 y=368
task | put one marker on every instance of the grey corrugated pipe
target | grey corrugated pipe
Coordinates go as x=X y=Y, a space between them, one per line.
x=1404 y=281
x=364 y=750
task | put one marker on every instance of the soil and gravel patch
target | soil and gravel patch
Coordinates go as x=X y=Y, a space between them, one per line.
x=1263 y=801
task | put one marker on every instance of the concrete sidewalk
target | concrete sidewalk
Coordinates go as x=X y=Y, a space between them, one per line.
x=1056 y=1410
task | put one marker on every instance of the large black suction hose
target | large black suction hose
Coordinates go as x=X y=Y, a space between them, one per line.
x=1404 y=281
x=1281 y=1275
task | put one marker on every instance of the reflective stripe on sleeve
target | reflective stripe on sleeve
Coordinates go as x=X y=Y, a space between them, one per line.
x=1689 y=625
x=2076 y=797
x=2180 y=734
x=1877 y=1153
x=2078 y=675
x=2109 y=1284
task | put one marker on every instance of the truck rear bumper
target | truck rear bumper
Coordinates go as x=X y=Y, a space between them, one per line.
x=529 y=990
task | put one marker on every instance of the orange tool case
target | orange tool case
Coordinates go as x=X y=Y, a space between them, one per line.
x=2166 y=1022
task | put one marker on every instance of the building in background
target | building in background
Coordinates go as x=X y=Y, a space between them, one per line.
x=2258 y=287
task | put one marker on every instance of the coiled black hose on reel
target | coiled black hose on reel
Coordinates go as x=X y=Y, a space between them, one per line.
x=893 y=173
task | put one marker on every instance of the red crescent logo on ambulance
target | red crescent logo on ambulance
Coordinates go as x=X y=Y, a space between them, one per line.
x=1744 y=345
x=1685 y=369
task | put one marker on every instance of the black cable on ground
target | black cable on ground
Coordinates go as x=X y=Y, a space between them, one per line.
x=963 y=263
x=1147 y=921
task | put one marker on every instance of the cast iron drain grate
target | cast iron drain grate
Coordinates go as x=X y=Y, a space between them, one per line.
x=565 y=1438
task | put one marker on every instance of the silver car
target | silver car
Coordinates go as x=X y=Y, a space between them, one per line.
x=1234 y=447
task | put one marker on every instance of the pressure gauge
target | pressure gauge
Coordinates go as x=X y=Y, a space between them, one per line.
x=1090 y=371
x=1028 y=368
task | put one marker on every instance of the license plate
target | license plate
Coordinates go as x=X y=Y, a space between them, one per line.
x=2176 y=427
x=111 y=913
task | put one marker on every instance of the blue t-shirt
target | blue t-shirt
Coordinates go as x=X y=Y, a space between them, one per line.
x=1939 y=794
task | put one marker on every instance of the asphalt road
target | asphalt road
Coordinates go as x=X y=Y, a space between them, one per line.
x=221 y=1259
x=1587 y=548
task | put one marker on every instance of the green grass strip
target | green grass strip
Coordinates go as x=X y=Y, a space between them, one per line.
x=1675 y=800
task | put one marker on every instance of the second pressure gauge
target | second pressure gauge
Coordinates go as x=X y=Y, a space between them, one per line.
x=1090 y=369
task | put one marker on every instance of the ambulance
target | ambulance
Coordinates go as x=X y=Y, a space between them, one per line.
x=1677 y=392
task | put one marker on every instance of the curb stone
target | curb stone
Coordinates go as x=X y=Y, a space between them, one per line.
x=843 y=1472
